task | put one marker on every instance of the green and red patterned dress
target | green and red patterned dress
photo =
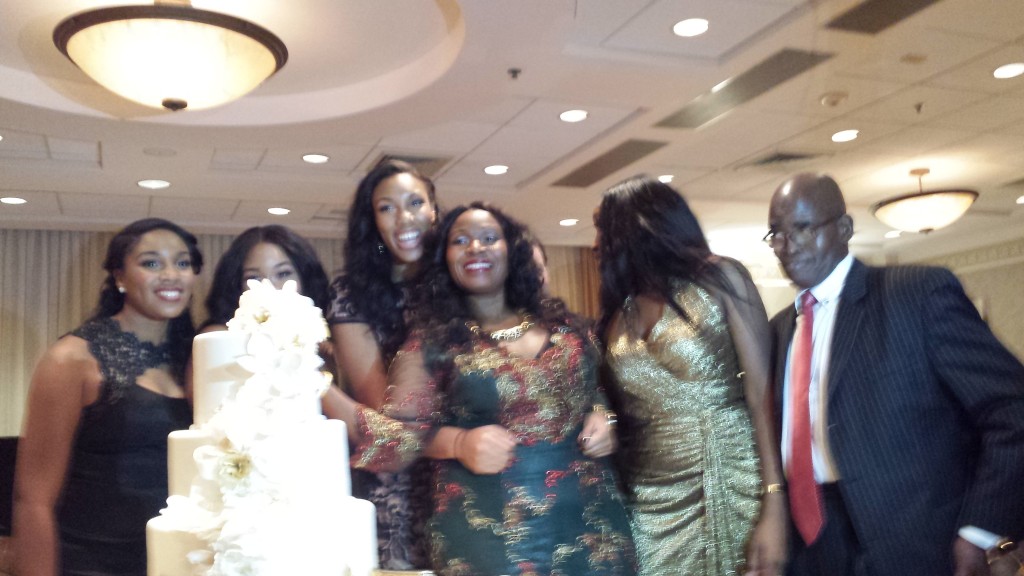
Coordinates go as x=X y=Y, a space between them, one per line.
x=553 y=510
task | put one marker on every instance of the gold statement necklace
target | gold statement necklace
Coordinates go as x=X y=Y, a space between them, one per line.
x=505 y=334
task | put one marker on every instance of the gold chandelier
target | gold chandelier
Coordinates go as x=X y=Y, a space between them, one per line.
x=169 y=54
x=924 y=211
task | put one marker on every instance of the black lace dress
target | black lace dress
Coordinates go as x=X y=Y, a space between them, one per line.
x=117 y=477
x=402 y=498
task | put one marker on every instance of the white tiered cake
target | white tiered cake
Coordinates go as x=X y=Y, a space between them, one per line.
x=260 y=484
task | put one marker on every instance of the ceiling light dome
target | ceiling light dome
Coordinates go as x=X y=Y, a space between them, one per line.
x=170 y=56
x=924 y=211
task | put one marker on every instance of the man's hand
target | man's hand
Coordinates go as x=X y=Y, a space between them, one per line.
x=968 y=559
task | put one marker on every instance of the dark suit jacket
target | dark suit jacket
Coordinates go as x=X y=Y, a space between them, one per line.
x=925 y=416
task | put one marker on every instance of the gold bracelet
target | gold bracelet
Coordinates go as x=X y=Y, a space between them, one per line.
x=774 y=488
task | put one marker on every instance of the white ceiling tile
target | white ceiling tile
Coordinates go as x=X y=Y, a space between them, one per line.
x=37 y=204
x=470 y=172
x=976 y=75
x=919 y=139
x=989 y=114
x=342 y=159
x=83 y=151
x=901 y=107
x=732 y=23
x=451 y=138
x=202 y=209
x=237 y=158
x=881 y=59
x=108 y=206
x=256 y=211
x=996 y=20
x=19 y=145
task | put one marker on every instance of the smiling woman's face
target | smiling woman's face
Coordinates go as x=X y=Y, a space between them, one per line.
x=403 y=213
x=477 y=253
x=157 y=277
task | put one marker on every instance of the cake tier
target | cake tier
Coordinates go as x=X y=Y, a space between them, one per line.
x=216 y=373
x=283 y=501
x=330 y=540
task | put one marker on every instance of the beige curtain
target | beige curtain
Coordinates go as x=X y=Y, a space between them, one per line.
x=573 y=277
x=49 y=283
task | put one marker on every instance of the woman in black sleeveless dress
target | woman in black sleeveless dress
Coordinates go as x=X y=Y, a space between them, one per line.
x=92 y=461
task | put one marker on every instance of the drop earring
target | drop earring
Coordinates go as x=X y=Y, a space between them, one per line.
x=380 y=248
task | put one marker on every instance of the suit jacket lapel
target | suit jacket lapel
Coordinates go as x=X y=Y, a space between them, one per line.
x=848 y=323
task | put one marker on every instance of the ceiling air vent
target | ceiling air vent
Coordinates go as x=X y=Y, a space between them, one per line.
x=761 y=78
x=608 y=163
x=873 y=16
x=429 y=166
x=778 y=159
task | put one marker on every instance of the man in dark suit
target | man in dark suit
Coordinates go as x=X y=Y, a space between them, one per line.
x=902 y=416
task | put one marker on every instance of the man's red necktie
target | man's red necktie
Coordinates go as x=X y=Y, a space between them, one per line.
x=805 y=501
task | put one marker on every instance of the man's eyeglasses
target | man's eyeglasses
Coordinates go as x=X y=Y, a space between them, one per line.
x=799 y=234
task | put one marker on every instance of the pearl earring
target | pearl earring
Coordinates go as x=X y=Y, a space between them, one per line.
x=120 y=289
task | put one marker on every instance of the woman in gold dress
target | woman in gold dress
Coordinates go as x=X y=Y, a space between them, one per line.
x=686 y=339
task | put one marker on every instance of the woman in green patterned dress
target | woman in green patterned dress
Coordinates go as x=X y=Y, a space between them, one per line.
x=499 y=386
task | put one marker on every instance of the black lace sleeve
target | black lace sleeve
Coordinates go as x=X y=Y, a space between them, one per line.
x=341 y=310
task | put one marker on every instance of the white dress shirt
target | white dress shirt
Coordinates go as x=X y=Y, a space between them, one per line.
x=827 y=294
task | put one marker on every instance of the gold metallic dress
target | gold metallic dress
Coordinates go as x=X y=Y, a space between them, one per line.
x=687 y=457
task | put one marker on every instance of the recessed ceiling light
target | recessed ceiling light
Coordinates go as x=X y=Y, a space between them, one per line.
x=315 y=158
x=573 y=115
x=666 y=178
x=1 y=137
x=845 y=135
x=568 y=222
x=893 y=234
x=278 y=211
x=690 y=27
x=1009 y=70
x=13 y=200
x=1020 y=200
x=154 y=184
x=496 y=170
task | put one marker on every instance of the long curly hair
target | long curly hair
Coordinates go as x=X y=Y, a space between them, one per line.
x=648 y=240
x=180 y=330
x=227 y=286
x=368 y=263
x=442 y=308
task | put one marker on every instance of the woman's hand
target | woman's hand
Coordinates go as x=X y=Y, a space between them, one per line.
x=486 y=449
x=598 y=439
x=766 y=555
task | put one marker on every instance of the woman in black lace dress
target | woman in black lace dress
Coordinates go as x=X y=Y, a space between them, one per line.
x=393 y=209
x=92 y=461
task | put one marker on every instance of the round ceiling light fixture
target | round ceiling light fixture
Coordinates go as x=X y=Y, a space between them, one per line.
x=170 y=55
x=923 y=211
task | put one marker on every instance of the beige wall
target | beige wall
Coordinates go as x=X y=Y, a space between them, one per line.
x=993 y=277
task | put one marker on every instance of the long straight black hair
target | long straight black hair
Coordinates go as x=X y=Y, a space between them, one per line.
x=648 y=241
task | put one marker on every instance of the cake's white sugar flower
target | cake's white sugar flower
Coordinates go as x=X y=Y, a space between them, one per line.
x=288 y=319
